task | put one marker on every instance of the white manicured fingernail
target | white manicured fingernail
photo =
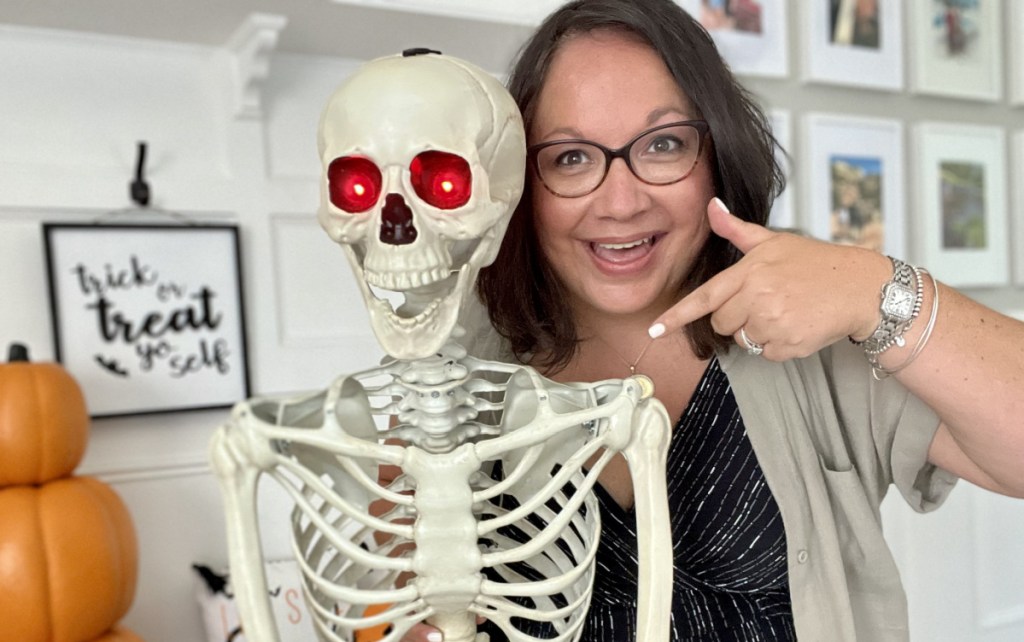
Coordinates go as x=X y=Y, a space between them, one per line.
x=656 y=330
x=719 y=202
x=435 y=636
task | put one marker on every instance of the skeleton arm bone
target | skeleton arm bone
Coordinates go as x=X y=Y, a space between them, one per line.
x=646 y=454
x=238 y=480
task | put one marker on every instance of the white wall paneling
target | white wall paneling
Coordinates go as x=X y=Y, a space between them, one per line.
x=74 y=108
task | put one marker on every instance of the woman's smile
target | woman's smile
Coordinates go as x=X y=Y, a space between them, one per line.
x=614 y=256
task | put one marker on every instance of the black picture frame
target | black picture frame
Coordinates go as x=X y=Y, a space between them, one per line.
x=149 y=318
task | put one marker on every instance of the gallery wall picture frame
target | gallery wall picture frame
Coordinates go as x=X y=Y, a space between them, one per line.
x=1016 y=23
x=956 y=48
x=855 y=174
x=845 y=46
x=149 y=318
x=1018 y=216
x=751 y=35
x=783 y=214
x=962 y=228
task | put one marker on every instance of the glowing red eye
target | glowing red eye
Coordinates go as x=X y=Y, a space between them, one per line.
x=441 y=179
x=354 y=183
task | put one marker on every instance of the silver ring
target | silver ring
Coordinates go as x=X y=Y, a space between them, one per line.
x=754 y=348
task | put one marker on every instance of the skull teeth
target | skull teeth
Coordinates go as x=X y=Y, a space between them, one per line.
x=410 y=322
x=399 y=281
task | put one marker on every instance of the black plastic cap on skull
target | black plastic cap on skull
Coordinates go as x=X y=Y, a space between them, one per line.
x=419 y=51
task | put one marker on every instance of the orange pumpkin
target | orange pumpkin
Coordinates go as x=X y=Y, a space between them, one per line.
x=44 y=425
x=374 y=633
x=68 y=561
x=119 y=634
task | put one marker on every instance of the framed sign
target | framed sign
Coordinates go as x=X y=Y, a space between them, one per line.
x=148 y=318
x=751 y=34
x=957 y=48
x=856 y=182
x=961 y=176
x=855 y=43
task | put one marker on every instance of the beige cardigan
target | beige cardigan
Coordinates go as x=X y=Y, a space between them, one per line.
x=831 y=440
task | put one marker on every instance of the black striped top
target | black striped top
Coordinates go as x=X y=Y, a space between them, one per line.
x=731 y=582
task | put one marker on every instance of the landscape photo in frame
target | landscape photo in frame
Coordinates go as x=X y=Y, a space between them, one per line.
x=855 y=171
x=751 y=34
x=961 y=181
x=856 y=43
x=956 y=48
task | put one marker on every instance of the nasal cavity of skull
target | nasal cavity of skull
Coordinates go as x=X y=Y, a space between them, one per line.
x=396 y=223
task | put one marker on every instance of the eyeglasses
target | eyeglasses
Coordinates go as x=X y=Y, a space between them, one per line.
x=658 y=156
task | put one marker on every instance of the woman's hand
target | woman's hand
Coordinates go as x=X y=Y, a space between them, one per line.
x=790 y=294
x=422 y=633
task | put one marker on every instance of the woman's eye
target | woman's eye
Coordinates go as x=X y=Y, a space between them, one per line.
x=665 y=145
x=572 y=158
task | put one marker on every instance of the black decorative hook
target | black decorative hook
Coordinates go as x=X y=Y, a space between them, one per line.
x=139 y=189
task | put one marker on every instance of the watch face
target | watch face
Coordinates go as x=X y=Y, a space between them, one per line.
x=898 y=302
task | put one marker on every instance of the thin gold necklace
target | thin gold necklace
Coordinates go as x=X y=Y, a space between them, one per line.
x=636 y=362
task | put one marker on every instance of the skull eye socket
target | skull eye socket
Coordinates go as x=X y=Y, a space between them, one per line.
x=441 y=179
x=354 y=183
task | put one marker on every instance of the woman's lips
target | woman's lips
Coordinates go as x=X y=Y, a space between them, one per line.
x=623 y=255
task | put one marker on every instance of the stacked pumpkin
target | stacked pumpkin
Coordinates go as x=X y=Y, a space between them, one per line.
x=68 y=554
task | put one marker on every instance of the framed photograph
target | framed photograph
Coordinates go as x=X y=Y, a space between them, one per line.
x=783 y=214
x=148 y=318
x=1017 y=53
x=854 y=42
x=751 y=34
x=1018 y=216
x=961 y=181
x=957 y=48
x=855 y=182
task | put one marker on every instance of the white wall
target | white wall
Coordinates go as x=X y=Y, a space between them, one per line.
x=71 y=110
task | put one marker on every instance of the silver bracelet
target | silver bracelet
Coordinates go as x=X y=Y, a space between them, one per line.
x=901 y=299
x=878 y=372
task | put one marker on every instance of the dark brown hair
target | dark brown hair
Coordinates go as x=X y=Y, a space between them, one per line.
x=525 y=298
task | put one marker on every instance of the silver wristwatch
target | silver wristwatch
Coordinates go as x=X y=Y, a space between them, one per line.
x=901 y=303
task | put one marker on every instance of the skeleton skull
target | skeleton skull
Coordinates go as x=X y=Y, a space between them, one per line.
x=423 y=162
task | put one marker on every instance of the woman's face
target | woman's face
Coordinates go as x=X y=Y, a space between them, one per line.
x=625 y=248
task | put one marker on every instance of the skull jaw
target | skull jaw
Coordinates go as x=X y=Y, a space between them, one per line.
x=425 y=322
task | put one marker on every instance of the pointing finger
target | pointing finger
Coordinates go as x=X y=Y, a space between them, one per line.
x=743 y=234
x=699 y=303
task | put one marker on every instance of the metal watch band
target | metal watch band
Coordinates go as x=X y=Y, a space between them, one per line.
x=905 y=280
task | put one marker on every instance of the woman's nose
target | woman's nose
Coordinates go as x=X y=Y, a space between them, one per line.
x=622 y=194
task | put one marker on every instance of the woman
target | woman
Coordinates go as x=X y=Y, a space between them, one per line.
x=627 y=259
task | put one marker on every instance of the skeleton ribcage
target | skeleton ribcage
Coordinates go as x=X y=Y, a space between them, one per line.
x=511 y=537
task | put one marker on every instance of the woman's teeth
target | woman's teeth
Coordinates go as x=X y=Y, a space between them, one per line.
x=623 y=246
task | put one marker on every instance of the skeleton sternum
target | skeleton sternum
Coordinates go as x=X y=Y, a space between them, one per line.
x=447 y=560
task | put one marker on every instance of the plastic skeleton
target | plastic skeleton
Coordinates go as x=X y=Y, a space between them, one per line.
x=492 y=514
